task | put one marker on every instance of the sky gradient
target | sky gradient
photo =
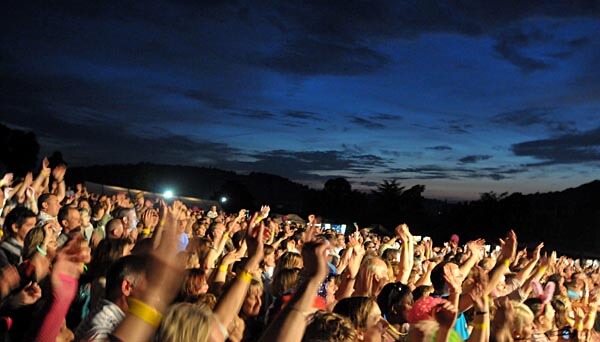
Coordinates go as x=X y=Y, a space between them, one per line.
x=461 y=96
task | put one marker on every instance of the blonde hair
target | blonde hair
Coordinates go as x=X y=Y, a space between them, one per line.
x=522 y=315
x=185 y=322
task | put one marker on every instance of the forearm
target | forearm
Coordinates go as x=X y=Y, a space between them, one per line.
x=231 y=301
x=496 y=275
x=481 y=328
x=406 y=262
x=425 y=279
x=526 y=271
x=61 y=190
x=55 y=311
x=466 y=267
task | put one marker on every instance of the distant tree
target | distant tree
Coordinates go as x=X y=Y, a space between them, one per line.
x=20 y=150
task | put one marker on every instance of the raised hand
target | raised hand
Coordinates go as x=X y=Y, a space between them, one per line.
x=403 y=233
x=314 y=255
x=70 y=261
x=59 y=172
x=509 y=246
x=7 y=179
x=254 y=241
x=30 y=294
x=264 y=211
x=537 y=251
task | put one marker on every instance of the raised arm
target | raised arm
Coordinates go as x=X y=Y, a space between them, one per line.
x=58 y=173
x=407 y=254
x=231 y=301
x=290 y=324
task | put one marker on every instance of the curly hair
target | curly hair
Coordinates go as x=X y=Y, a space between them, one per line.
x=329 y=327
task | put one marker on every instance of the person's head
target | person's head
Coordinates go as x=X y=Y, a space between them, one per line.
x=114 y=229
x=84 y=204
x=127 y=215
x=562 y=308
x=126 y=277
x=85 y=217
x=543 y=314
x=194 y=284
x=372 y=276
x=34 y=238
x=253 y=301
x=284 y=281
x=69 y=219
x=187 y=322
x=365 y=315
x=213 y=208
x=18 y=223
x=269 y=258
x=99 y=210
x=289 y=260
x=394 y=300
x=329 y=327
x=107 y=252
x=422 y=291
x=216 y=230
x=438 y=279
x=523 y=322
x=49 y=204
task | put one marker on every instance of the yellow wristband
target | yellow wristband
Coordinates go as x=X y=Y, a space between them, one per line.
x=146 y=231
x=481 y=326
x=223 y=268
x=144 y=312
x=226 y=235
x=506 y=263
x=543 y=269
x=161 y=223
x=45 y=173
x=245 y=276
x=258 y=219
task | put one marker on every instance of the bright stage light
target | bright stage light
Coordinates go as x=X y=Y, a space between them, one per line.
x=168 y=194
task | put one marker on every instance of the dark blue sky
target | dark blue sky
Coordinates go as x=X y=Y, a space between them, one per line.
x=462 y=96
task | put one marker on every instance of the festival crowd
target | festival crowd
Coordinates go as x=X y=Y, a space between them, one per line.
x=87 y=266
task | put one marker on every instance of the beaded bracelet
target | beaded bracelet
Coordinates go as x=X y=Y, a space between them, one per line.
x=144 y=312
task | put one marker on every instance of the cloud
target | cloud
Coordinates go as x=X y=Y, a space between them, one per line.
x=375 y=121
x=307 y=165
x=312 y=57
x=566 y=149
x=209 y=98
x=303 y=115
x=474 y=158
x=533 y=116
x=454 y=173
x=254 y=114
x=366 y=123
x=511 y=42
x=439 y=148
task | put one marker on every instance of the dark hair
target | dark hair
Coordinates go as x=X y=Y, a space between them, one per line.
x=127 y=267
x=63 y=213
x=437 y=276
x=107 y=252
x=17 y=216
x=43 y=198
x=392 y=294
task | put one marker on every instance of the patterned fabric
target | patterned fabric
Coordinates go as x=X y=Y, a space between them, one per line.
x=101 y=322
